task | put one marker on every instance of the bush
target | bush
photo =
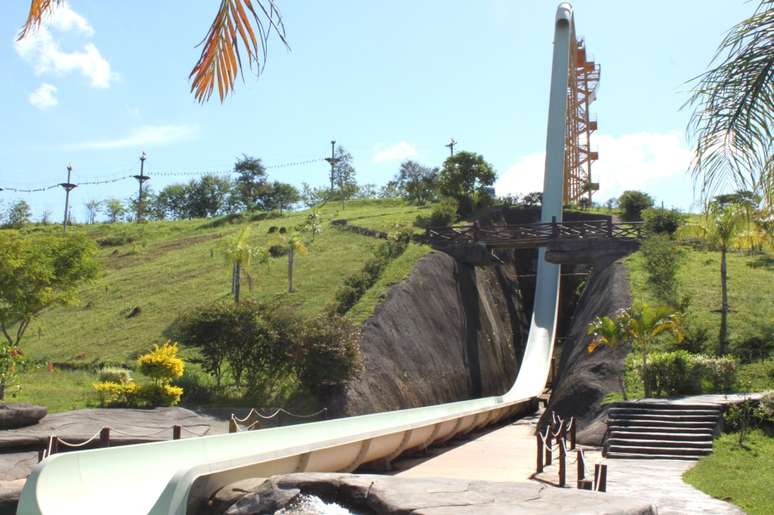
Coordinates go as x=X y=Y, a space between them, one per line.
x=717 y=373
x=115 y=375
x=276 y=251
x=633 y=203
x=158 y=394
x=114 y=394
x=329 y=354
x=442 y=215
x=199 y=387
x=162 y=364
x=662 y=221
x=681 y=373
x=662 y=259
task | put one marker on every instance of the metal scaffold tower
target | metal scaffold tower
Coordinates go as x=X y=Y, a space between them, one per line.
x=581 y=92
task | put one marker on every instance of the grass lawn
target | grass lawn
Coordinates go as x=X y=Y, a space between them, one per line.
x=743 y=476
x=165 y=268
x=750 y=291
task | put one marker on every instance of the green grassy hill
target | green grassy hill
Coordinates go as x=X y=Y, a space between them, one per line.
x=165 y=268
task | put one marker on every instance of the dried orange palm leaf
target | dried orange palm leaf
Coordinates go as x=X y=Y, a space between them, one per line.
x=38 y=9
x=231 y=31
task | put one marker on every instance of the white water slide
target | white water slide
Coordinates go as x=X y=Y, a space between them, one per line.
x=167 y=477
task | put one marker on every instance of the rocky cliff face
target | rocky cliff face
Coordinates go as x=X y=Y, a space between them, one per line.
x=447 y=333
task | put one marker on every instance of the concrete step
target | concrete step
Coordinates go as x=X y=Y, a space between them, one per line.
x=671 y=451
x=685 y=417
x=637 y=442
x=665 y=405
x=661 y=425
x=635 y=456
x=659 y=411
x=647 y=433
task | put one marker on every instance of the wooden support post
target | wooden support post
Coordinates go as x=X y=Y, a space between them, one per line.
x=581 y=466
x=232 y=425
x=53 y=445
x=609 y=227
x=573 y=432
x=600 y=477
x=585 y=484
x=562 y=465
x=41 y=454
x=177 y=432
x=539 y=453
x=549 y=453
x=104 y=437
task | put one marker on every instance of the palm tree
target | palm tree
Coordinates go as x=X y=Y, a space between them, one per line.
x=641 y=325
x=295 y=244
x=726 y=219
x=241 y=255
x=732 y=109
x=220 y=60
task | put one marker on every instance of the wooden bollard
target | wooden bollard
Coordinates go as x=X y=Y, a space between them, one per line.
x=549 y=452
x=562 y=465
x=600 y=477
x=177 y=432
x=585 y=484
x=53 y=445
x=572 y=433
x=232 y=425
x=41 y=454
x=581 y=465
x=539 y=453
x=104 y=437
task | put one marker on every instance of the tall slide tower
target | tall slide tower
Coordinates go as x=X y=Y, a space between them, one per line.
x=582 y=85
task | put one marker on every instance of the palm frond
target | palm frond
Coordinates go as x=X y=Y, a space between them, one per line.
x=232 y=28
x=38 y=9
x=733 y=104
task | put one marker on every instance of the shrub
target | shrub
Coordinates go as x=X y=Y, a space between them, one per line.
x=198 y=387
x=115 y=375
x=329 y=354
x=662 y=221
x=113 y=394
x=633 y=203
x=662 y=259
x=717 y=372
x=162 y=364
x=159 y=394
x=276 y=251
x=116 y=240
x=671 y=373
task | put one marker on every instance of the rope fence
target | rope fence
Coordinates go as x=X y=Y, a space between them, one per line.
x=254 y=418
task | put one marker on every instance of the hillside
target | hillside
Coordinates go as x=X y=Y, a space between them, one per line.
x=164 y=268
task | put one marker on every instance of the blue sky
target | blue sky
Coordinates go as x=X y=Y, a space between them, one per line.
x=104 y=81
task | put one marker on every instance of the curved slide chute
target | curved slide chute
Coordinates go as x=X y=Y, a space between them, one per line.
x=169 y=477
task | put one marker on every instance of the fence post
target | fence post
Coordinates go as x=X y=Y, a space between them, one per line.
x=539 y=453
x=104 y=437
x=562 y=464
x=600 y=477
x=41 y=454
x=177 y=432
x=609 y=227
x=572 y=432
x=549 y=453
x=53 y=445
x=232 y=425
x=581 y=465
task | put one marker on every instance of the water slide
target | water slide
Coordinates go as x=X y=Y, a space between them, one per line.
x=169 y=477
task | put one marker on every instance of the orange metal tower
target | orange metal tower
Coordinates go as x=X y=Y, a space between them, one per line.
x=582 y=91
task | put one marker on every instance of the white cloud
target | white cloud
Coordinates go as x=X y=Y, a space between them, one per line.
x=147 y=135
x=644 y=160
x=43 y=51
x=44 y=97
x=397 y=152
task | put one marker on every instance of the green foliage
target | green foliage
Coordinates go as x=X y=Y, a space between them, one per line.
x=115 y=375
x=18 y=215
x=157 y=394
x=114 y=209
x=251 y=184
x=464 y=177
x=442 y=215
x=36 y=272
x=330 y=354
x=662 y=221
x=681 y=373
x=632 y=203
x=416 y=183
x=662 y=259
x=162 y=364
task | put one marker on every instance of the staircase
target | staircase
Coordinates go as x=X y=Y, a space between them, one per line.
x=661 y=430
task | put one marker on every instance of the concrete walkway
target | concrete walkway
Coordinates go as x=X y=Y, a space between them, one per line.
x=507 y=453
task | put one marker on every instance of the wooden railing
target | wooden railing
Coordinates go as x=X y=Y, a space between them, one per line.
x=534 y=234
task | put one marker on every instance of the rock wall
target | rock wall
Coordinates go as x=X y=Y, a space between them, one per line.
x=447 y=333
x=583 y=378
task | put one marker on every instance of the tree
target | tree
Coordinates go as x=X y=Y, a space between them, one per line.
x=173 y=201
x=465 y=176
x=330 y=354
x=281 y=196
x=662 y=258
x=633 y=203
x=641 y=325
x=312 y=196
x=416 y=183
x=18 y=215
x=207 y=196
x=343 y=176
x=93 y=207
x=732 y=115
x=295 y=244
x=241 y=255
x=533 y=199
x=726 y=218
x=114 y=209
x=38 y=271
x=220 y=60
x=251 y=184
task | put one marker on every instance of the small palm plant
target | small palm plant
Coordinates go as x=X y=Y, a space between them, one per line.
x=641 y=325
x=295 y=244
x=241 y=255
